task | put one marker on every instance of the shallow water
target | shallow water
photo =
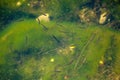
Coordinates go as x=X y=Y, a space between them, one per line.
x=59 y=49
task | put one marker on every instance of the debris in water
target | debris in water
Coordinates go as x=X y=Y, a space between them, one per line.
x=18 y=3
x=65 y=77
x=101 y=62
x=72 y=48
x=52 y=60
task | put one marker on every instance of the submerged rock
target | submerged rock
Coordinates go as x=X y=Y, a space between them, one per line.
x=44 y=17
x=87 y=15
x=103 y=18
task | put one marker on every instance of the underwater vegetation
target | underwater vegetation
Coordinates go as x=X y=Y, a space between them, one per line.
x=65 y=51
x=59 y=40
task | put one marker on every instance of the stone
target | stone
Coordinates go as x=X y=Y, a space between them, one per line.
x=87 y=15
x=103 y=18
x=43 y=17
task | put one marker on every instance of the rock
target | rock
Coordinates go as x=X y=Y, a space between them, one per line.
x=44 y=17
x=87 y=15
x=103 y=18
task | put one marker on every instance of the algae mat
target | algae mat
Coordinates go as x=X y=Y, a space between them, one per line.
x=58 y=51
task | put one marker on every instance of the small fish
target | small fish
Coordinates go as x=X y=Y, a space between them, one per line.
x=58 y=41
x=44 y=27
x=57 y=70
x=60 y=25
